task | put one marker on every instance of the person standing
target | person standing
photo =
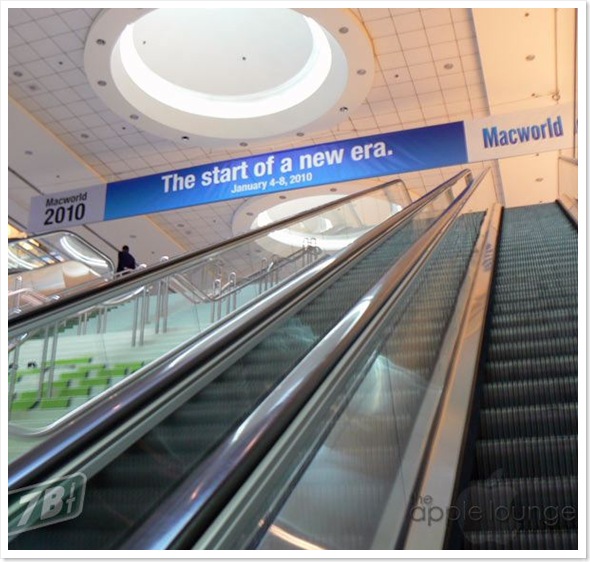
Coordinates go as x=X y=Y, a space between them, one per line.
x=126 y=260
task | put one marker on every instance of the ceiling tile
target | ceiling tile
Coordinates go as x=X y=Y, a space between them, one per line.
x=418 y=56
x=408 y=22
x=30 y=31
x=436 y=16
x=402 y=90
x=425 y=85
x=53 y=25
x=431 y=98
x=391 y=60
x=397 y=75
x=389 y=44
x=379 y=94
x=406 y=103
x=425 y=70
x=14 y=38
x=464 y=29
x=461 y=14
x=452 y=81
x=381 y=27
x=24 y=53
x=440 y=34
x=67 y=95
x=413 y=40
x=17 y=16
x=76 y=19
x=38 y=68
x=453 y=95
x=371 y=14
x=447 y=50
x=68 y=41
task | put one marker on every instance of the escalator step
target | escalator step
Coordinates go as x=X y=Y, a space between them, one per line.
x=520 y=504
x=528 y=332
x=529 y=421
x=529 y=392
x=533 y=349
x=531 y=456
x=538 y=367
x=508 y=318
x=522 y=540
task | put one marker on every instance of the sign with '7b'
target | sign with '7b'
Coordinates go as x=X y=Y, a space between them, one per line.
x=46 y=503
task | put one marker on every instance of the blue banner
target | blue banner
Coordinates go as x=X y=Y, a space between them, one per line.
x=377 y=155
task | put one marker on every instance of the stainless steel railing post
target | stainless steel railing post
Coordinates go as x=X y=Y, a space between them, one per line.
x=135 y=314
x=143 y=318
x=51 y=375
x=12 y=378
x=43 y=363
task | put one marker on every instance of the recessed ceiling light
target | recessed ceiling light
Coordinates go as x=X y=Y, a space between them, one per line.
x=180 y=225
x=133 y=236
x=449 y=65
x=333 y=189
x=343 y=29
x=361 y=71
x=539 y=179
x=84 y=136
x=300 y=134
x=185 y=138
x=33 y=87
x=344 y=109
x=530 y=57
x=102 y=83
x=250 y=214
x=17 y=73
x=29 y=152
x=282 y=197
x=134 y=117
x=243 y=144
x=100 y=41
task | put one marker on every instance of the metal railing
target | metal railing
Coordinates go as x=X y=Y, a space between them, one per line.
x=190 y=509
x=77 y=429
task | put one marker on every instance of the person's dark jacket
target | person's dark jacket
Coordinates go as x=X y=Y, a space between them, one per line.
x=126 y=261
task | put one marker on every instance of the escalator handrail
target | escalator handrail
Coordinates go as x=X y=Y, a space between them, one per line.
x=204 y=492
x=117 y=403
x=32 y=320
x=42 y=239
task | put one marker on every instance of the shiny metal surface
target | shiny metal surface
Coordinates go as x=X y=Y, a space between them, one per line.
x=375 y=396
x=187 y=508
x=443 y=462
x=124 y=398
x=30 y=321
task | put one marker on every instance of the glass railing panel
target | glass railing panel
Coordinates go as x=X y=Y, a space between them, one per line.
x=77 y=357
x=52 y=265
x=363 y=448
x=339 y=501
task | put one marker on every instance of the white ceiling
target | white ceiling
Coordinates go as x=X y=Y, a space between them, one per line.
x=76 y=141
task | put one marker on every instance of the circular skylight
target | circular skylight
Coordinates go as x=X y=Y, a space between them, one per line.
x=229 y=74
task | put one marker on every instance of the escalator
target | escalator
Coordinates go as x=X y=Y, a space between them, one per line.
x=366 y=482
x=338 y=488
x=130 y=486
x=523 y=476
